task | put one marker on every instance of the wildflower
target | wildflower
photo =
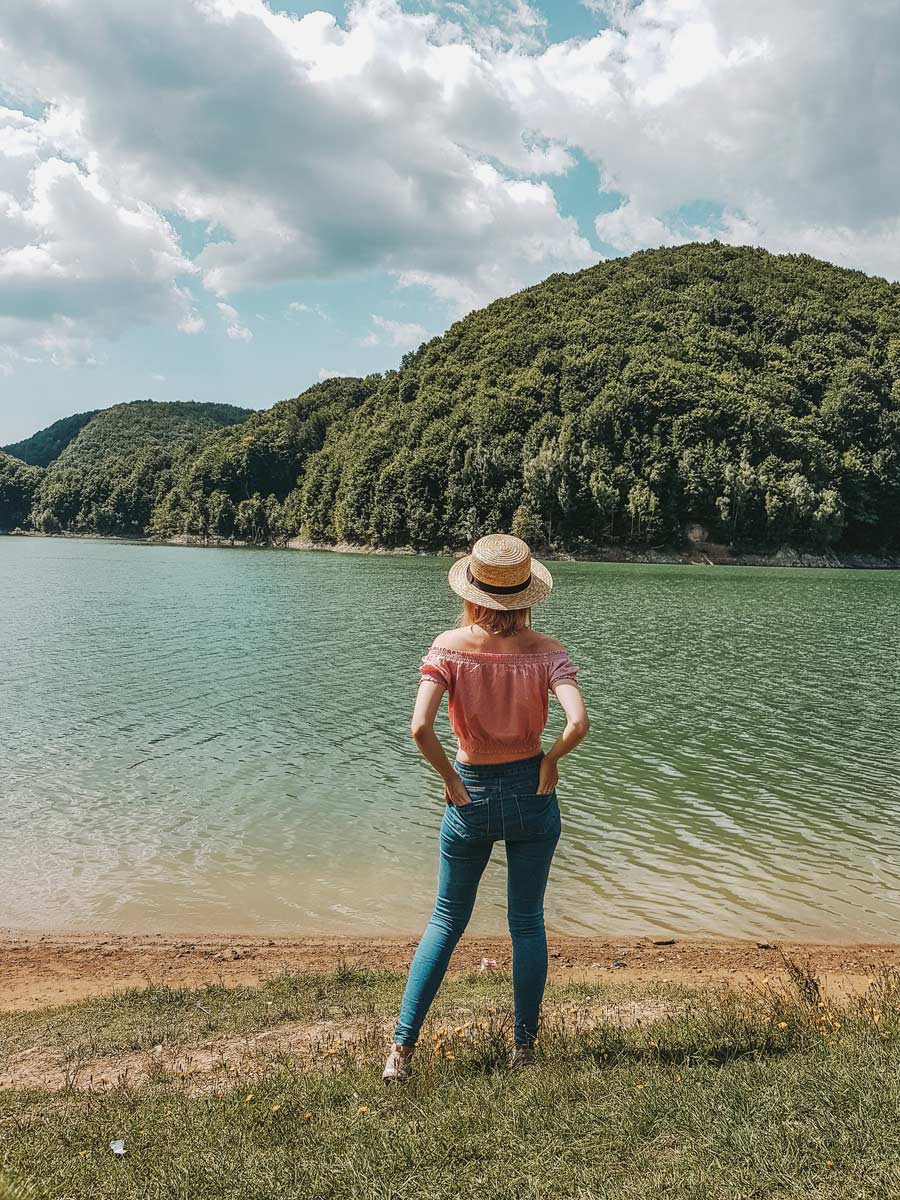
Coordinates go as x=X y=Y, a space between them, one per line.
x=450 y=1057
x=83 y=1153
x=248 y=1098
x=782 y=1024
x=307 y=1116
x=363 y=1108
x=829 y=1163
x=651 y=1044
x=276 y=1108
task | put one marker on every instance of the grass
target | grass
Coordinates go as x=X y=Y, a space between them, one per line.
x=639 y=1091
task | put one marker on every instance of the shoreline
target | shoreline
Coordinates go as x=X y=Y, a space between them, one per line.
x=700 y=554
x=50 y=968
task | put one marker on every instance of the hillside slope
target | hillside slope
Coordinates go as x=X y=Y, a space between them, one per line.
x=109 y=478
x=43 y=447
x=755 y=394
x=244 y=481
x=18 y=483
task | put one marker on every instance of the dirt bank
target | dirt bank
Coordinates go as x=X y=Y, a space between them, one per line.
x=39 y=969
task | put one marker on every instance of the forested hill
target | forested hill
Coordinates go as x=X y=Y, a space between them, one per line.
x=43 y=447
x=124 y=460
x=18 y=484
x=125 y=428
x=755 y=394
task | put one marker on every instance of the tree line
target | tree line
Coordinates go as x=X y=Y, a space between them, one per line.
x=757 y=395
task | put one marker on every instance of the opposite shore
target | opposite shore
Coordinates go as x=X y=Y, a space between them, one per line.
x=698 y=554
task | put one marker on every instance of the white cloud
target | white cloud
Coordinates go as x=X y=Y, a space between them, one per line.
x=234 y=328
x=394 y=333
x=629 y=229
x=324 y=373
x=422 y=144
x=781 y=114
x=78 y=257
x=317 y=149
x=315 y=310
x=192 y=323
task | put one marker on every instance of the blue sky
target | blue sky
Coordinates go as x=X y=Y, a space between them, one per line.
x=220 y=200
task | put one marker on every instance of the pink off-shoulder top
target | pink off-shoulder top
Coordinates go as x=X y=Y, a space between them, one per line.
x=498 y=702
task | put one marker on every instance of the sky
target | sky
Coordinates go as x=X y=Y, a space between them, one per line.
x=227 y=200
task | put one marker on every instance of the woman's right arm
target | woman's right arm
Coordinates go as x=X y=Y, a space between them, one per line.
x=428 y=701
x=569 y=695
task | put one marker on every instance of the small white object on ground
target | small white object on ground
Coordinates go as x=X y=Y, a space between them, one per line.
x=488 y=964
x=117 y=1147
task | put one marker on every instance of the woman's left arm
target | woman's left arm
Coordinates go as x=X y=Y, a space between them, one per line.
x=568 y=693
x=428 y=701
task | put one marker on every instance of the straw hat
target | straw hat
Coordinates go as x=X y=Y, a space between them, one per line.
x=500 y=573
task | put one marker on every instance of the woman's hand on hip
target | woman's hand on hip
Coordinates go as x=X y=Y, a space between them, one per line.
x=455 y=792
x=549 y=776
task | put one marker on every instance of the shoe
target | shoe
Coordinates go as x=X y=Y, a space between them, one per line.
x=396 y=1068
x=521 y=1056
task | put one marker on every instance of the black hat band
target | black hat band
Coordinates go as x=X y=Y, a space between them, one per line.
x=494 y=588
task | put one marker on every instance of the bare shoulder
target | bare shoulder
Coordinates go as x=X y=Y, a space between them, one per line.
x=549 y=644
x=532 y=642
x=451 y=639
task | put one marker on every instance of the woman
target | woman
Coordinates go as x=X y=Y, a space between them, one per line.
x=498 y=672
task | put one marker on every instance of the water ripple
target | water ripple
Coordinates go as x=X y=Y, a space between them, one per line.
x=218 y=740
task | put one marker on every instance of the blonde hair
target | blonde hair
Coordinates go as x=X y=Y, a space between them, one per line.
x=500 y=621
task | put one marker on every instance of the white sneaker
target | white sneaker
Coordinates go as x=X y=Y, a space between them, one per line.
x=521 y=1056
x=396 y=1068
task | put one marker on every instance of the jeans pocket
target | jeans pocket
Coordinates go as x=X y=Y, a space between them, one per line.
x=539 y=812
x=478 y=792
x=470 y=820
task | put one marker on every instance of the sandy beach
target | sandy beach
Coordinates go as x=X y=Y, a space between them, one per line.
x=48 y=968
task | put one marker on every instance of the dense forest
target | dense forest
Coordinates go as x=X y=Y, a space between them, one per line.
x=18 y=484
x=47 y=445
x=757 y=395
x=116 y=470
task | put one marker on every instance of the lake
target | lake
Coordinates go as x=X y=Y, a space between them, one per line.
x=218 y=740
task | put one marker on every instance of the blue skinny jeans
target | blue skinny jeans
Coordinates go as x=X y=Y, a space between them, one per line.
x=505 y=805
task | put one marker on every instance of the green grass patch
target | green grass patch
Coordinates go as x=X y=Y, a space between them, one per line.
x=141 y=1018
x=637 y=1092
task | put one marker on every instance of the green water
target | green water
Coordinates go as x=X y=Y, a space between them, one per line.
x=203 y=740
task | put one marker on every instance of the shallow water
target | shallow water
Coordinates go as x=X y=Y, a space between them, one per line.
x=202 y=740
